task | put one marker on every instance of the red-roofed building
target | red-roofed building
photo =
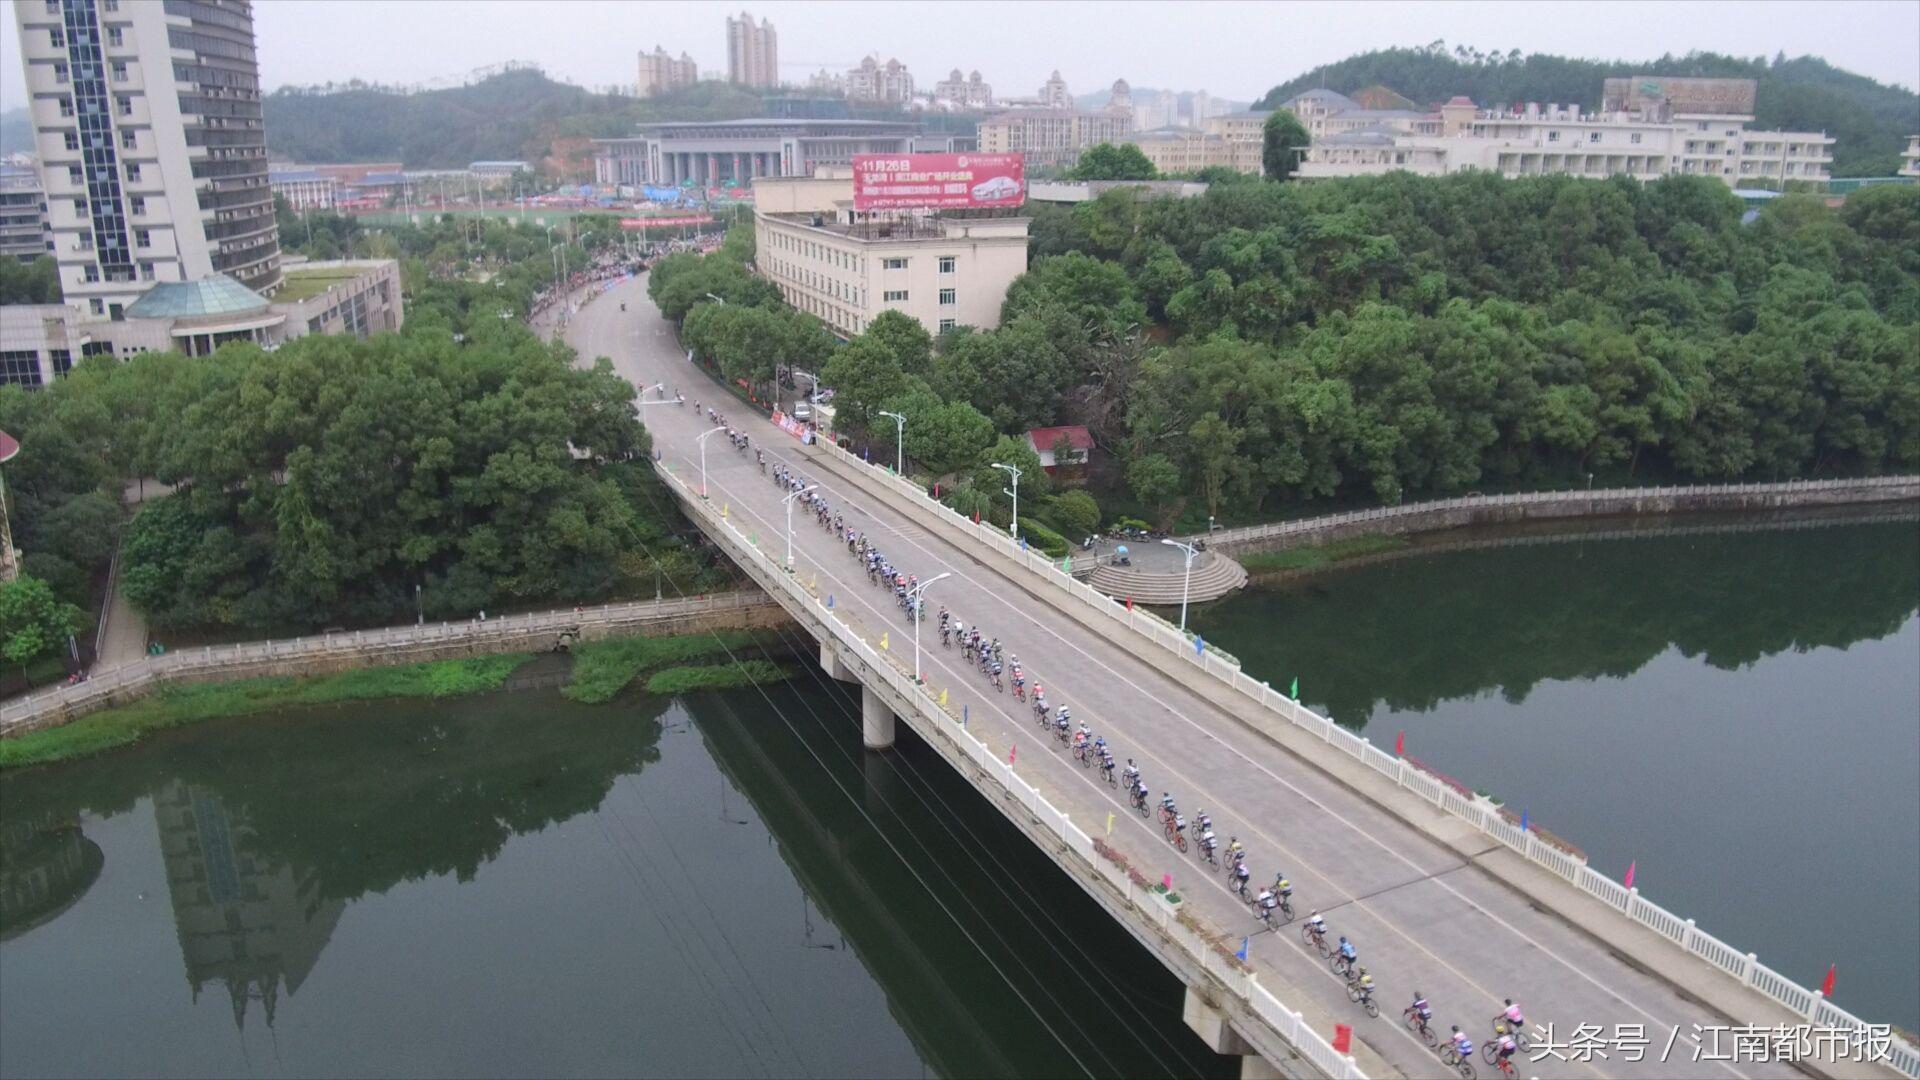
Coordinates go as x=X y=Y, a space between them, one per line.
x=1043 y=439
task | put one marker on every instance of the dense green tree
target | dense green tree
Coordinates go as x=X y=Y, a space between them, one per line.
x=1281 y=139
x=33 y=621
x=36 y=282
x=1110 y=161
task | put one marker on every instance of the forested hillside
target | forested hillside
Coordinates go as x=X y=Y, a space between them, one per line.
x=1869 y=120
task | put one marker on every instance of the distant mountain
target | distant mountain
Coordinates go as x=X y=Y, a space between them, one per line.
x=16 y=132
x=516 y=115
x=1870 y=121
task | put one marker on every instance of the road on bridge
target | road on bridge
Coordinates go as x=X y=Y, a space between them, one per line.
x=1422 y=917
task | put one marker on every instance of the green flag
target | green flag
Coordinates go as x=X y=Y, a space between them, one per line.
x=1295 y=692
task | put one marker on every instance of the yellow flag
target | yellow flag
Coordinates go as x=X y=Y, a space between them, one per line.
x=723 y=509
x=1109 y=824
x=883 y=641
x=943 y=699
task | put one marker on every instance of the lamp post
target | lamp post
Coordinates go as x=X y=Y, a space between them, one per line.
x=814 y=394
x=899 y=442
x=789 y=504
x=721 y=300
x=419 y=607
x=1013 y=528
x=914 y=613
x=702 y=440
x=1185 y=584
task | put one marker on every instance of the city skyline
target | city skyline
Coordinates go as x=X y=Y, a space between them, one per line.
x=1189 y=47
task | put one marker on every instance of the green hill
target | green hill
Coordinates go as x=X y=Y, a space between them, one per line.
x=1870 y=121
x=513 y=115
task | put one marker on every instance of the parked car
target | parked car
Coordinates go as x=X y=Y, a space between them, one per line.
x=802 y=411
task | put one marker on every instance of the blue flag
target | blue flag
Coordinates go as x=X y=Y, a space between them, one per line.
x=963 y=716
x=1199 y=644
x=829 y=601
x=1523 y=821
x=1244 y=942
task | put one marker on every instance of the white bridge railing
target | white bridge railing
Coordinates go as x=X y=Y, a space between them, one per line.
x=765 y=567
x=1903 y=1056
x=1306 y=526
x=238 y=659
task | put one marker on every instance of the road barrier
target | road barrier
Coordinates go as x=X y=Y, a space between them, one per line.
x=393 y=644
x=1480 y=812
x=1199 y=945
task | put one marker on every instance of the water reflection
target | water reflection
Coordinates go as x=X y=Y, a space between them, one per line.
x=46 y=865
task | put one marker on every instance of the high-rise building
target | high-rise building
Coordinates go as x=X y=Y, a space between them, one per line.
x=23 y=215
x=1053 y=93
x=153 y=153
x=963 y=93
x=753 y=52
x=660 y=73
x=875 y=81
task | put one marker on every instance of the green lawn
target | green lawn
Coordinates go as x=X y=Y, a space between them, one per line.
x=307 y=284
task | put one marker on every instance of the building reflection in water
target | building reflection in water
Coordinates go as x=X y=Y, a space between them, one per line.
x=257 y=927
x=46 y=865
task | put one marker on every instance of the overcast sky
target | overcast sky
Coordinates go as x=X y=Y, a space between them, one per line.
x=1234 y=50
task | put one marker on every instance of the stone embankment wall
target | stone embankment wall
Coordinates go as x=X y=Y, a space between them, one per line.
x=1548 y=505
x=322 y=654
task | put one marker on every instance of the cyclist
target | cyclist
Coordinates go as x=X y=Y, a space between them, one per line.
x=1235 y=852
x=1461 y=1045
x=1348 y=955
x=1207 y=841
x=1106 y=765
x=1240 y=876
x=1201 y=822
x=1040 y=702
x=1263 y=906
x=1317 y=926
x=1505 y=1043
x=1281 y=886
x=1131 y=773
x=943 y=616
x=1421 y=1010
x=1080 y=738
x=1179 y=824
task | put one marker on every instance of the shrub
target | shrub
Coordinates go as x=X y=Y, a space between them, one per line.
x=1050 y=543
x=1075 y=512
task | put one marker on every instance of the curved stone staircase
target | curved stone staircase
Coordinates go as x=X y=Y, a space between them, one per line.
x=1214 y=576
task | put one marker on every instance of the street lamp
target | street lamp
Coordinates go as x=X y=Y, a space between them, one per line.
x=1013 y=529
x=914 y=613
x=1187 y=583
x=899 y=442
x=702 y=440
x=419 y=608
x=814 y=394
x=789 y=504
x=721 y=300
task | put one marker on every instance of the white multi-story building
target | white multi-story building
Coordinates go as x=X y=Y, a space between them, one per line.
x=1053 y=93
x=967 y=93
x=875 y=81
x=1053 y=136
x=153 y=156
x=1184 y=150
x=847 y=268
x=1645 y=142
x=304 y=189
x=23 y=215
x=753 y=52
x=1910 y=161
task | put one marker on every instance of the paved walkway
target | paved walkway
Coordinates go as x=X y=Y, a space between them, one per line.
x=125 y=639
x=1423 y=918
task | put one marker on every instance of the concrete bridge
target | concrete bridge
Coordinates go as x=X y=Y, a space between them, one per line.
x=1441 y=892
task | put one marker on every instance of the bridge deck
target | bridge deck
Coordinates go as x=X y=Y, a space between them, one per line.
x=1423 y=917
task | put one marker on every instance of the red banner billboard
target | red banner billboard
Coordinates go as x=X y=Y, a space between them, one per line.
x=938 y=181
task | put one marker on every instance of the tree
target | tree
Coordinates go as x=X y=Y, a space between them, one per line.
x=1281 y=137
x=1108 y=161
x=36 y=282
x=33 y=621
x=1155 y=481
x=864 y=375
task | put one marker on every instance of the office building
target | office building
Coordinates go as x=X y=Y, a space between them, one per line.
x=40 y=342
x=661 y=73
x=968 y=93
x=1910 y=161
x=24 y=232
x=152 y=149
x=1184 y=150
x=1053 y=137
x=753 y=52
x=847 y=268
x=1244 y=126
x=710 y=153
x=1053 y=94
x=1654 y=128
x=875 y=81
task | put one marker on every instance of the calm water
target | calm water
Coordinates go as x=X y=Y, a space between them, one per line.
x=1738 y=714
x=515 y=885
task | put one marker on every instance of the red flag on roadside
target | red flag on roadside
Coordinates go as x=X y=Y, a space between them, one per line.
x=1342 y=1039
x=1631 y=867
x=1012 y=753
x=1129 y=603
x=976 y=517
x=1826 y=987
x=1400 y=745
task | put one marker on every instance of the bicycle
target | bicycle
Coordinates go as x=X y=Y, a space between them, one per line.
x=1362 y=997
x=1286 y=909
x=1419 y=1025
x=1107 y=773
x=1315 y=939
x=1175 y=836
x=1504 y=1065
x=1502 y=1027
x=1452 y=1059
x=1139 y=800
x=1341 y=966
x=1206 y=852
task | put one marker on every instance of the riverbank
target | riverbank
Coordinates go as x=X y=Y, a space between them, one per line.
x=601 y=671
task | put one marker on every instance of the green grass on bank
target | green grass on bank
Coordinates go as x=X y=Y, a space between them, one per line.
x=602 y=669
x=681 y=680
x=1307 y=559
x=176 y=706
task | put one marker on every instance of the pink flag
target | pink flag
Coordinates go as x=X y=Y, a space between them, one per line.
x=1012 y=752
x=1400 y=745
x=1166 y=881
x=1630 y=869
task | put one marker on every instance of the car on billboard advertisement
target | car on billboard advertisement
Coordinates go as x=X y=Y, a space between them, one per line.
x=938 y=181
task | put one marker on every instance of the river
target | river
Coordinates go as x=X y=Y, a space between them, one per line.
x=1736 y=715
x=508 y=885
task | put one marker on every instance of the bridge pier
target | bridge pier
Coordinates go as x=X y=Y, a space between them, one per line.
x=876 y=720
x=830 y=663
x=1208 y=1022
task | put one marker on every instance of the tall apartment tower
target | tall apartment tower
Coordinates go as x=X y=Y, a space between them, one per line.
x=153 y=152
x=660 y=73
x=753 y=52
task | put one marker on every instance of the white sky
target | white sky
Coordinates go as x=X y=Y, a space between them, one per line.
x=1235 y=50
